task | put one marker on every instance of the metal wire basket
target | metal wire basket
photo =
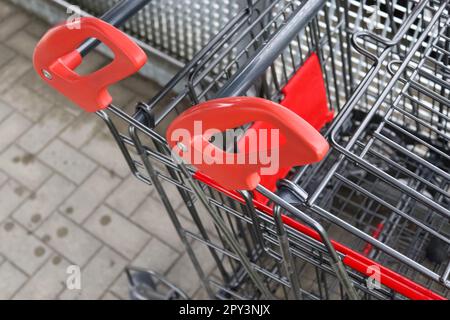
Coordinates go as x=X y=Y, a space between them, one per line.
x=382 y=191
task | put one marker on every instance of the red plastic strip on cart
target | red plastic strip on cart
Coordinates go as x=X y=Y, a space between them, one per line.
x=352 y=259
x=56 y=58
x=376 y=234
x=305 y=95
x=297 y=142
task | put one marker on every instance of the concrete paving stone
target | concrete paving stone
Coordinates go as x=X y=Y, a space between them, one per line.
x=92 y=62
x=120 y=287
x=22 y=248
x=45 y=130
x=129 y=195
x=5 y=110
x=23 y=43
x=201 y=294
x=97 y=276
x=11 y=279
x=3 y=178
x=37 y=27
x=203 y=214
x=153 y=217
x=47 y=283
x=12 y=194
x=90 y=195
x=67 y=161
x=12 y=128
x=121 y=95
x=12 y=23
x=116 y=231
x=173 y=194
x=183 y=273
x=156 y=256
x=24 y=167
x=68 y=239
x=30 y=104
x=6 y=54
x=32 y=81
x=105 y=151
x=12 y=71
x=41 y=204
x=110 y=297
x=6 y=9
x=141 y=86
x=82 y=129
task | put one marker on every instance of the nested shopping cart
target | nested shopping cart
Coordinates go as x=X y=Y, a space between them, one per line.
x=358 y=211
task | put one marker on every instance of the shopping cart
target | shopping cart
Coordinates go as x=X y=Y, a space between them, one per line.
x=382 y=190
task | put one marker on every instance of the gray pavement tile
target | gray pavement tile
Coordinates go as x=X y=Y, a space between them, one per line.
x=22 y=248
x=104 y=150
x=92 y=62
x=30 y=104
x=120 y=287
x=90 y=195
x=24 y=167
x=201 y=294
x=6 y=9
x=141 y=86
x=37 y=27
x=6 y=54
x=82 y=130
x=45 y=130
x=3 y=178
x=5 y=110
x=47 y=283
x=116 y=231
x=109 y=296
x=121 y=95
x=12 y=128
x=156 y=256
x=12 y=194
x=11 y=24
x=12 y=71
x=97 y=276
x=11 y=279
x=153 y=217
x=69 y=239
x=183 y=272
x=129 y=195
x=42 y=203
x=173 y=194
x=67 y=161
x=41 y=89
x=23 y=42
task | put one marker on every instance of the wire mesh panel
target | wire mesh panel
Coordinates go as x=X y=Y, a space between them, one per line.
x=381 y=192
x=180 y=28
x=388 y=172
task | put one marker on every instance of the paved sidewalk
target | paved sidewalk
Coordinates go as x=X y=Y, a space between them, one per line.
x=66 y=194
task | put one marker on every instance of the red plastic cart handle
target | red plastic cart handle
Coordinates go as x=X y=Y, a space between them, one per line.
x=56 y=57
x=299 y=142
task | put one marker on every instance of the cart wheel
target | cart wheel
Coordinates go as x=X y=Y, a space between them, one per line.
x=147 y=285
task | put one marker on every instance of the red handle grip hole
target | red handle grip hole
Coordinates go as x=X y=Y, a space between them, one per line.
x=298 y=142
x=56 y=58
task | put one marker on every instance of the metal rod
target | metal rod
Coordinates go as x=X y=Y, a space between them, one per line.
x=221 y=225
x=116 y=16
x=337 y=264
x=247 y=75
